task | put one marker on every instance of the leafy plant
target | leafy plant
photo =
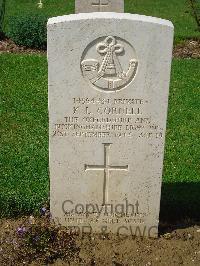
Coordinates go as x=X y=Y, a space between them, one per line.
x=195 y=7
x=29 y=30
x=2 y=13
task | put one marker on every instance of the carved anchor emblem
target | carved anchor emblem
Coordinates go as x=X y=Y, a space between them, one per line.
x=109 y=74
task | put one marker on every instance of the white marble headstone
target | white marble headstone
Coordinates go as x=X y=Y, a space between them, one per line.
x=108 y=93
x=87 y=6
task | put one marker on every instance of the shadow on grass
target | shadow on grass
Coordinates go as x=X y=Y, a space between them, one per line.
x=180 y=204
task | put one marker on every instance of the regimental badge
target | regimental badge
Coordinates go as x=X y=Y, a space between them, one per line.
x=115 y=65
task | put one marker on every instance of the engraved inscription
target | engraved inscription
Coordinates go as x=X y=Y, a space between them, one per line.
x=105 y=117
x=106 y=167
x=109 y=73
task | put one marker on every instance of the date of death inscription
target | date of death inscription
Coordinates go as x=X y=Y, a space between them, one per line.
x=103 y=118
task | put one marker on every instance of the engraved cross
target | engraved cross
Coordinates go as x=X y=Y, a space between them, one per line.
x=106 y=167
x=100 y=4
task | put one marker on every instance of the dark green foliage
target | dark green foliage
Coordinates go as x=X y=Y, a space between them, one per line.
x=29 y=30
x=2 y=13
x=195 y=7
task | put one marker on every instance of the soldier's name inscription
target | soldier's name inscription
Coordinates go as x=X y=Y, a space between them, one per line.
x=99 y=118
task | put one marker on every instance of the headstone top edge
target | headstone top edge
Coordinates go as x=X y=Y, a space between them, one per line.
x=109 y=15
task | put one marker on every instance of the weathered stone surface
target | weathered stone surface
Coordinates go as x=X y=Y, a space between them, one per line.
x=88 y=6
x=108 y=93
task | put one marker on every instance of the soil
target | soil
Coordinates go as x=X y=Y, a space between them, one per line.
x=186 y=49
x=8 y=46
x=173 y=247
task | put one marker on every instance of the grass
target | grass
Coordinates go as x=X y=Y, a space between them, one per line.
x=181 y=188
x=51 y=8
x=24 y=131
x=182 y=147
x=178 y=11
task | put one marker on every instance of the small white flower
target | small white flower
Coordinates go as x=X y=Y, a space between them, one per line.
x=40 y=4
x=31 y=220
